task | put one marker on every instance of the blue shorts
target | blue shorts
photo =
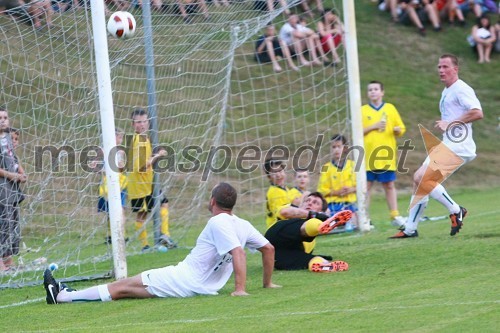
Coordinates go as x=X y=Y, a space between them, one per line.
x=102 y=204
x=336 y=207
x=383 y=176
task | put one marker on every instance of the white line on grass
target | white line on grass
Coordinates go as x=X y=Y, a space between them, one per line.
x=283 y=314
x=36 y=300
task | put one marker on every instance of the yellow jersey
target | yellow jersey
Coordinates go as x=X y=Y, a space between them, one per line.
x=277 y=197
x=333 y=178
x=140 y=178
x=380 y=147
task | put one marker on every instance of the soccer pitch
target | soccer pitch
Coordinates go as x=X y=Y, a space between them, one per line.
x=434 y=283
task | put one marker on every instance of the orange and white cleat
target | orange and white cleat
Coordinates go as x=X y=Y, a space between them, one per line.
x=337 y=220
x=329 y=267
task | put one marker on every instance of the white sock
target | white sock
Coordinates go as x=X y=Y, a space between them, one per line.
x=439 y=193
x=92 y=294
x=415 y=214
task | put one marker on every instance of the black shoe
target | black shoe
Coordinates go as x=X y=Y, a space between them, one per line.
x=401 y=234
x=51 y=287
x=107 y=240
x=146 y=248
x=422 y=32
x=457 y=220
x=64 y=286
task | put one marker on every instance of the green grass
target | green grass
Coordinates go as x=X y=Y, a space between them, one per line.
x=434 y=283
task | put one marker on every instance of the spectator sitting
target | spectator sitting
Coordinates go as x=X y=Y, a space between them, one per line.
x=268 y=47
x=330 y=30
x=299 y=40
x=484 y=6
x=415 y=11
x=450 y=10
x=484 y=36
x=188 y=7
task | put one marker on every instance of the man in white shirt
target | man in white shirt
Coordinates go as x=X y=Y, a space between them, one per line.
x=459 y=107
x=218 y=252
x=299 y=39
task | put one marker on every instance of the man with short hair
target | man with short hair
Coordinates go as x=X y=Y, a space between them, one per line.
x=218 y=252
x=459 y=107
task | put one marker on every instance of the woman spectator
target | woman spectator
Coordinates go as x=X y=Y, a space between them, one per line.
x=484 y=36
x=331 y=31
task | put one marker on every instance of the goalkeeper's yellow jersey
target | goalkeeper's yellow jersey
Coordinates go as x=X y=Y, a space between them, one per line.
x=140 y=178
x=333 y=178
x=277 y=197
x=381 y=147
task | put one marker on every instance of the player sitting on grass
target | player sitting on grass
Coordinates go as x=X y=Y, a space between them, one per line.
x=288 y=237
x=218 y=251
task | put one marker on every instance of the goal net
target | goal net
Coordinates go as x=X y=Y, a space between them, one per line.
x=220 y=113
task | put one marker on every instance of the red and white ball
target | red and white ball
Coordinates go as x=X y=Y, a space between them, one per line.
x=121 y=25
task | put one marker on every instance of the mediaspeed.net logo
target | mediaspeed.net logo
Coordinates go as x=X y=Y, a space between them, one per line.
x=442 y=160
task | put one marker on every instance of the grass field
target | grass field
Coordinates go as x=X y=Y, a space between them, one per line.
x=434 y=283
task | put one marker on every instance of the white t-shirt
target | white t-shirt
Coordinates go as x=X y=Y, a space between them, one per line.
x=209 y=265
x=457 y=100
x=286 y=32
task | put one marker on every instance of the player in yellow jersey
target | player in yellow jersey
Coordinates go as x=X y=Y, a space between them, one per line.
x=382 y=124
x=337 y=182
x=102 y=202
x=140 y=179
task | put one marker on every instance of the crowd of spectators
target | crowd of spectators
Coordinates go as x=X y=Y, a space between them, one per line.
x=483 y=37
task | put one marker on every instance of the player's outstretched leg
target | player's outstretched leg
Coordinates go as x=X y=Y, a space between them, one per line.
x=457 y=220
x=337 y=220
x=320 y=265
x=51 y=287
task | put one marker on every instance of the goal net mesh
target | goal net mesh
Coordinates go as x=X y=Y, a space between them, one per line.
x=220 y=113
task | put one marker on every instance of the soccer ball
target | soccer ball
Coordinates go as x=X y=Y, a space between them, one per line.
x=121 y=25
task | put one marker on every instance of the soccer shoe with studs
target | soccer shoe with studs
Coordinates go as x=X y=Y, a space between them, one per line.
x=167 y=241
x=51 y=287
x=457 y=220
x=337 y=220
x=401 y=235
x=330 y=267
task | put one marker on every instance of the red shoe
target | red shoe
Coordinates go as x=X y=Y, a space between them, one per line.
x=457 y=220
x=334 y=266
x=337 y=220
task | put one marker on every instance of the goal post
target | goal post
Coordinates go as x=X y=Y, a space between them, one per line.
x=108 y=131
x=351 y=47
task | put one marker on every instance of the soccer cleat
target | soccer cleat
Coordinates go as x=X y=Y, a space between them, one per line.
x=337 y=220
x=145 y=248
x=334 y=266
x=457 y=220
x=51 y=287
x=401 y=234
x=167 y=241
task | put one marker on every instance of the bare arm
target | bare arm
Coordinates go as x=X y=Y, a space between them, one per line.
x=268 y=265
x=240 y=271
x=469 y=117
x=293 y=212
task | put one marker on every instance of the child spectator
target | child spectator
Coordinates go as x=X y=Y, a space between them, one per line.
x=382 y=124
x=301 y=188
x=337 y=181
x=140 y=162
x=269 y=47
x=483 y=37
x=11 y=175
x=331 y=32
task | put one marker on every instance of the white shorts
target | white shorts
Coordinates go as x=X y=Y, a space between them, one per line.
x=170 y=281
